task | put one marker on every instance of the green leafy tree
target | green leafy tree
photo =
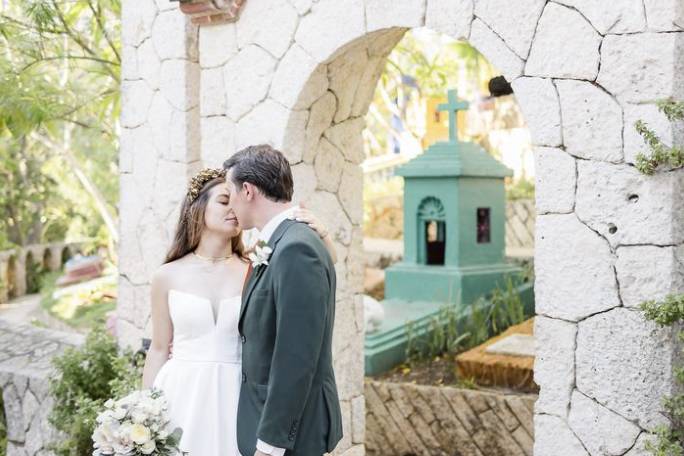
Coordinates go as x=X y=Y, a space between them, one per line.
x=59 y=106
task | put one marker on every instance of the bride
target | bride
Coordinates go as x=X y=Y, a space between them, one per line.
x=196 y=298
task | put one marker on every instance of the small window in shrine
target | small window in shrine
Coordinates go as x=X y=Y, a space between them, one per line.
x=483 y=225
x=438 y=117
x=435 y=242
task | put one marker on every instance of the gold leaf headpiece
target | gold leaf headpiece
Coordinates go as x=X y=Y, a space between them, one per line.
x=198 y=182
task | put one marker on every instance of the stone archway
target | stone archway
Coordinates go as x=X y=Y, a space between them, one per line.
x=66 y=255
x=299 y=75
x=12 y=288
x=47 y=259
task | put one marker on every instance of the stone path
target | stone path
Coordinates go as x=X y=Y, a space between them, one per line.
x=27 y=309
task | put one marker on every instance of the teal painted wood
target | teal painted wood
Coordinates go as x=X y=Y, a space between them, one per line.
x=444 y=190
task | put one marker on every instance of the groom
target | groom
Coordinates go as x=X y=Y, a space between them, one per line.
x=288 y=400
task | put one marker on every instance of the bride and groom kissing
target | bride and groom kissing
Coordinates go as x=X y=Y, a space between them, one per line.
x=242 y=340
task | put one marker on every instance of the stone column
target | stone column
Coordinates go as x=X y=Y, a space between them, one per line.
x=607 y=236
x=159 y=147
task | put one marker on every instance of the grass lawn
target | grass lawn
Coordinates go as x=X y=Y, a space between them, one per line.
x=82 y=305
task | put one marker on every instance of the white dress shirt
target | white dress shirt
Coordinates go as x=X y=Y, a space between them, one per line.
x=265 y=235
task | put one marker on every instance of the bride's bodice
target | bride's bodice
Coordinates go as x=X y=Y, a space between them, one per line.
x=198 y=335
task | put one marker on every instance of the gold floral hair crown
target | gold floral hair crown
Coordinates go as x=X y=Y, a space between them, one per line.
x=198 y=182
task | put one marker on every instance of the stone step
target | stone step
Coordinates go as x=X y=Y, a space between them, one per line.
x=506 y=360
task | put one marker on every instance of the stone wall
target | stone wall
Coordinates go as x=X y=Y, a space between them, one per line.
x=405 y=419
x=25 y=356
x=300 y=75
x=14 y=264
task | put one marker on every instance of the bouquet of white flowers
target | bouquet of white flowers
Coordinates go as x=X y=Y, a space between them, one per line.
x=136 y=425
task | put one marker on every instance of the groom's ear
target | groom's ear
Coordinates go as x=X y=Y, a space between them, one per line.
x=250 y=190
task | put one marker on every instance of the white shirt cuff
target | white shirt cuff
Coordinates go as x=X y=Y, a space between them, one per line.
x=269 y=449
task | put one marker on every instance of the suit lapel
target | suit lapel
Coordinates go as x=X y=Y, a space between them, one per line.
x=259 y=270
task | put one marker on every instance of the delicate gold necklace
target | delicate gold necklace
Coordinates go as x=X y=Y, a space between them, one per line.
x=212 y=259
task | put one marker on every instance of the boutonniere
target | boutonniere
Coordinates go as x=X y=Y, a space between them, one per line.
x=261 y=254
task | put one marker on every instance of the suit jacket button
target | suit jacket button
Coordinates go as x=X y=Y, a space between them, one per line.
x=244 y=378
x=243 y=338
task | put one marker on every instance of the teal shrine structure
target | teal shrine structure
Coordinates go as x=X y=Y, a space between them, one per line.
x=454 y=239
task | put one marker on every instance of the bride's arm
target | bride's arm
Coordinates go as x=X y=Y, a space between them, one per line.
x=308 y=217
x=162 y=331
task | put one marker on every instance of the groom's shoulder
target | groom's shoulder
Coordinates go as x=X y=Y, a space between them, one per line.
x=302 y=235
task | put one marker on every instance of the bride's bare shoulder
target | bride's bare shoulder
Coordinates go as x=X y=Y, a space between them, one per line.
x=166 y=273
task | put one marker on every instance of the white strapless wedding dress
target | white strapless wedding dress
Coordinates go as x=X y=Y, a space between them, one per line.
x=202 y=379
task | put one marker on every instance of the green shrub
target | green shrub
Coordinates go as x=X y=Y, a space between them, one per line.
x=669 y=438
x=451 y=332
x=87 y=377
x=672 y=156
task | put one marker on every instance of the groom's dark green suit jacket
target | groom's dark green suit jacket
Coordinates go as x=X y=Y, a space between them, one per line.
x=289 y=396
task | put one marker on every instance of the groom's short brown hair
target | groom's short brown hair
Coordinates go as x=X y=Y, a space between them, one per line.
x=266 y=168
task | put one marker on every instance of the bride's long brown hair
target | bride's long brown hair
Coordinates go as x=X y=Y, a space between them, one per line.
x=191 y=225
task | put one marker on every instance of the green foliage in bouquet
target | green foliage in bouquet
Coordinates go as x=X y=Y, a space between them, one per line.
x=661 y=154
x=87 y=377
x=669 y=440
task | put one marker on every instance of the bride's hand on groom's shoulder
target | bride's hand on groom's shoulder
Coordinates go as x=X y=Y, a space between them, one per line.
x=304 y=215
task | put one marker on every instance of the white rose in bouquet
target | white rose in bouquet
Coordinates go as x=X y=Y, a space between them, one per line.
x=136 y=425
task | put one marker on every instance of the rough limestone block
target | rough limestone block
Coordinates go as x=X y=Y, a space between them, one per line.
x=627 y=207
x=642 y=67
x=495 y=50
x=137 y=17
x=302 y=6
x=625 y=363
x=345 y=74
x=213 y=94
x=648 y=272
x=179 y=83
x=298 y=82
x=405 y=13
x=322 y=113
x=514 y=22
x=218 y=140
x=129 y=63
x=217 y=44
x=621 y=16
x=148 y=64
x=639 y=448
x=538 y=100
x=574 y=269
x=592 y=121
x=328 y=163
x=136 y=97
x=452 y=18
x=268 y=24
x=346 y=136
x=565 y=46
x=556 y=180
x=553 y=437
x=655 y=120
x=601 y=430
x=265 y=124
x=664 y=15
x=305 y=181
x=554 y=366
x=169 y=35
x=351 y=192
x=247 y=77
x=313 y=33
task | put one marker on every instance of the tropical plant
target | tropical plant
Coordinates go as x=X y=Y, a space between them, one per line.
x=669 y=439
x=86 y=378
